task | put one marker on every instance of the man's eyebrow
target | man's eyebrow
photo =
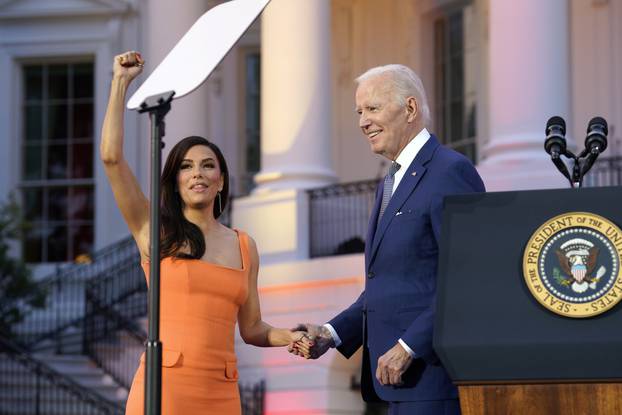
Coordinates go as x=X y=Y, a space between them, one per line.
x=370 y=105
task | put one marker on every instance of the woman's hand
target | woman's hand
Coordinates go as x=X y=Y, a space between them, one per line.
x=319 y=340
x=300 y=343
x=128 y=65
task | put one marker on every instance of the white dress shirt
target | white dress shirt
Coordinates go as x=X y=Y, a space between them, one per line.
x=408 y=154
x=405 y=158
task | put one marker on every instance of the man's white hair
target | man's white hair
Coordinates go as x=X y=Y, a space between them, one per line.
x=405 y=82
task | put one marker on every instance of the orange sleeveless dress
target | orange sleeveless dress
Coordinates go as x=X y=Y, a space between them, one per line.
x=199 y=305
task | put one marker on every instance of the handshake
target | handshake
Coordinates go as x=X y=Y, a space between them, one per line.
x=310 y=341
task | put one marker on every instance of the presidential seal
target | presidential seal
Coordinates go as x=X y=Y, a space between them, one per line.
x=571 y=264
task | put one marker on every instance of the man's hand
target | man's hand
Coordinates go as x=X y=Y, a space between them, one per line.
x=392 y=365
x=320 y=341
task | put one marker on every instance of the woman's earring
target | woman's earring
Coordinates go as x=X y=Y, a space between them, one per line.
x=219 y=203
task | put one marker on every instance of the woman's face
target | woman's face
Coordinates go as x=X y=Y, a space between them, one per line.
x=199 y=177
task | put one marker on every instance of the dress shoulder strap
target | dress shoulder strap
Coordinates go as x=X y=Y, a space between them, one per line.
x=243 y=238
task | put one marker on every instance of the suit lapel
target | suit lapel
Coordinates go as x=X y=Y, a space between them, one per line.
x=407 y=185
x=373 y=221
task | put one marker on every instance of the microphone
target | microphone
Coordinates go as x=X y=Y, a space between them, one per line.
x=555 y=143
x=596 y=140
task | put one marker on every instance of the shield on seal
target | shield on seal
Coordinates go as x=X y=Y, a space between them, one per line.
x=578 y=272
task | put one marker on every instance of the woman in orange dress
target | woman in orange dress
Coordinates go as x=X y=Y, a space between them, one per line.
x=208 y=271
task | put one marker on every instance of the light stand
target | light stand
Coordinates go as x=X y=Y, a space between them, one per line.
x=157 y=106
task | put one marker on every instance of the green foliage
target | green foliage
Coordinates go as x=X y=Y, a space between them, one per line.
x=18 y=291
x=557 y=275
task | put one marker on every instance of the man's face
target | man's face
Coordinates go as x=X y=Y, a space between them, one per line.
x=385 y=123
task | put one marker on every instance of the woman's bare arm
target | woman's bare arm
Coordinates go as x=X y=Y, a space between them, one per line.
x=130 y=198
x=252 y=328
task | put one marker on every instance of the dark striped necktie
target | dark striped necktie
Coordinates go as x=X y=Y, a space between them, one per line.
x=387 y=189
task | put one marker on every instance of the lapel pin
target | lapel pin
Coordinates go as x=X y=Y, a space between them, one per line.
x=414 y=173
x=399 y=213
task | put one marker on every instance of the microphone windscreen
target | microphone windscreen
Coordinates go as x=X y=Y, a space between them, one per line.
x=595 y=121
x=556 y=121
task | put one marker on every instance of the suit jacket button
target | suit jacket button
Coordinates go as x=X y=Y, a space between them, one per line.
x=371 y=275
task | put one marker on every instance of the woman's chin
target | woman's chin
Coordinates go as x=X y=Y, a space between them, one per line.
x=197 y=204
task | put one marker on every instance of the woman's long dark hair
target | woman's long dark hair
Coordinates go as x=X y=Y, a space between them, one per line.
x=176 y=231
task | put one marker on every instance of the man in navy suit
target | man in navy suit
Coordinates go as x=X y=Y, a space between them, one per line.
x=393 y=318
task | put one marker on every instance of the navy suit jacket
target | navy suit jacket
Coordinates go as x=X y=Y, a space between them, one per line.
x=401 y=260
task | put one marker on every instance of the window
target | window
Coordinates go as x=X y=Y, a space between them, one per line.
x=455 y=83
x=57 y=183
x=252 y=103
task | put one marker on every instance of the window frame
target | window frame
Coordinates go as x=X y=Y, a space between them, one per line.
x=442 y=122
x=245 y=178
x=43 y=183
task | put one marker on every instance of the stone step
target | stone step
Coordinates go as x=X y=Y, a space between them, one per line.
x=20 y=384
x=21 y=406
x=78 y=367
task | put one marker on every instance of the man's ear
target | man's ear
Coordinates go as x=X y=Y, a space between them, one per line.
x=412 y=108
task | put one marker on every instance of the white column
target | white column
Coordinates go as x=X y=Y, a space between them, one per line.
x=295 y=95
x=295 y=128
x=168 y=21
x=529 y=82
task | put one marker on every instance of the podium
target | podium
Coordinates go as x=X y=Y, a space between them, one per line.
x=506 y=351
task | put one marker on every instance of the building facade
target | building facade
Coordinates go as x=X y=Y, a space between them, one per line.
x=281 y=107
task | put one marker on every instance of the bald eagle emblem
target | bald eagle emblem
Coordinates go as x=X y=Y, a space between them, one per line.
x=577 y=259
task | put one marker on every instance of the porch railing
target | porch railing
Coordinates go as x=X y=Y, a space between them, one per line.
x=338 y=217
x=252 y=396
x=30 y=387
x=59 y=326
x=607 y=171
